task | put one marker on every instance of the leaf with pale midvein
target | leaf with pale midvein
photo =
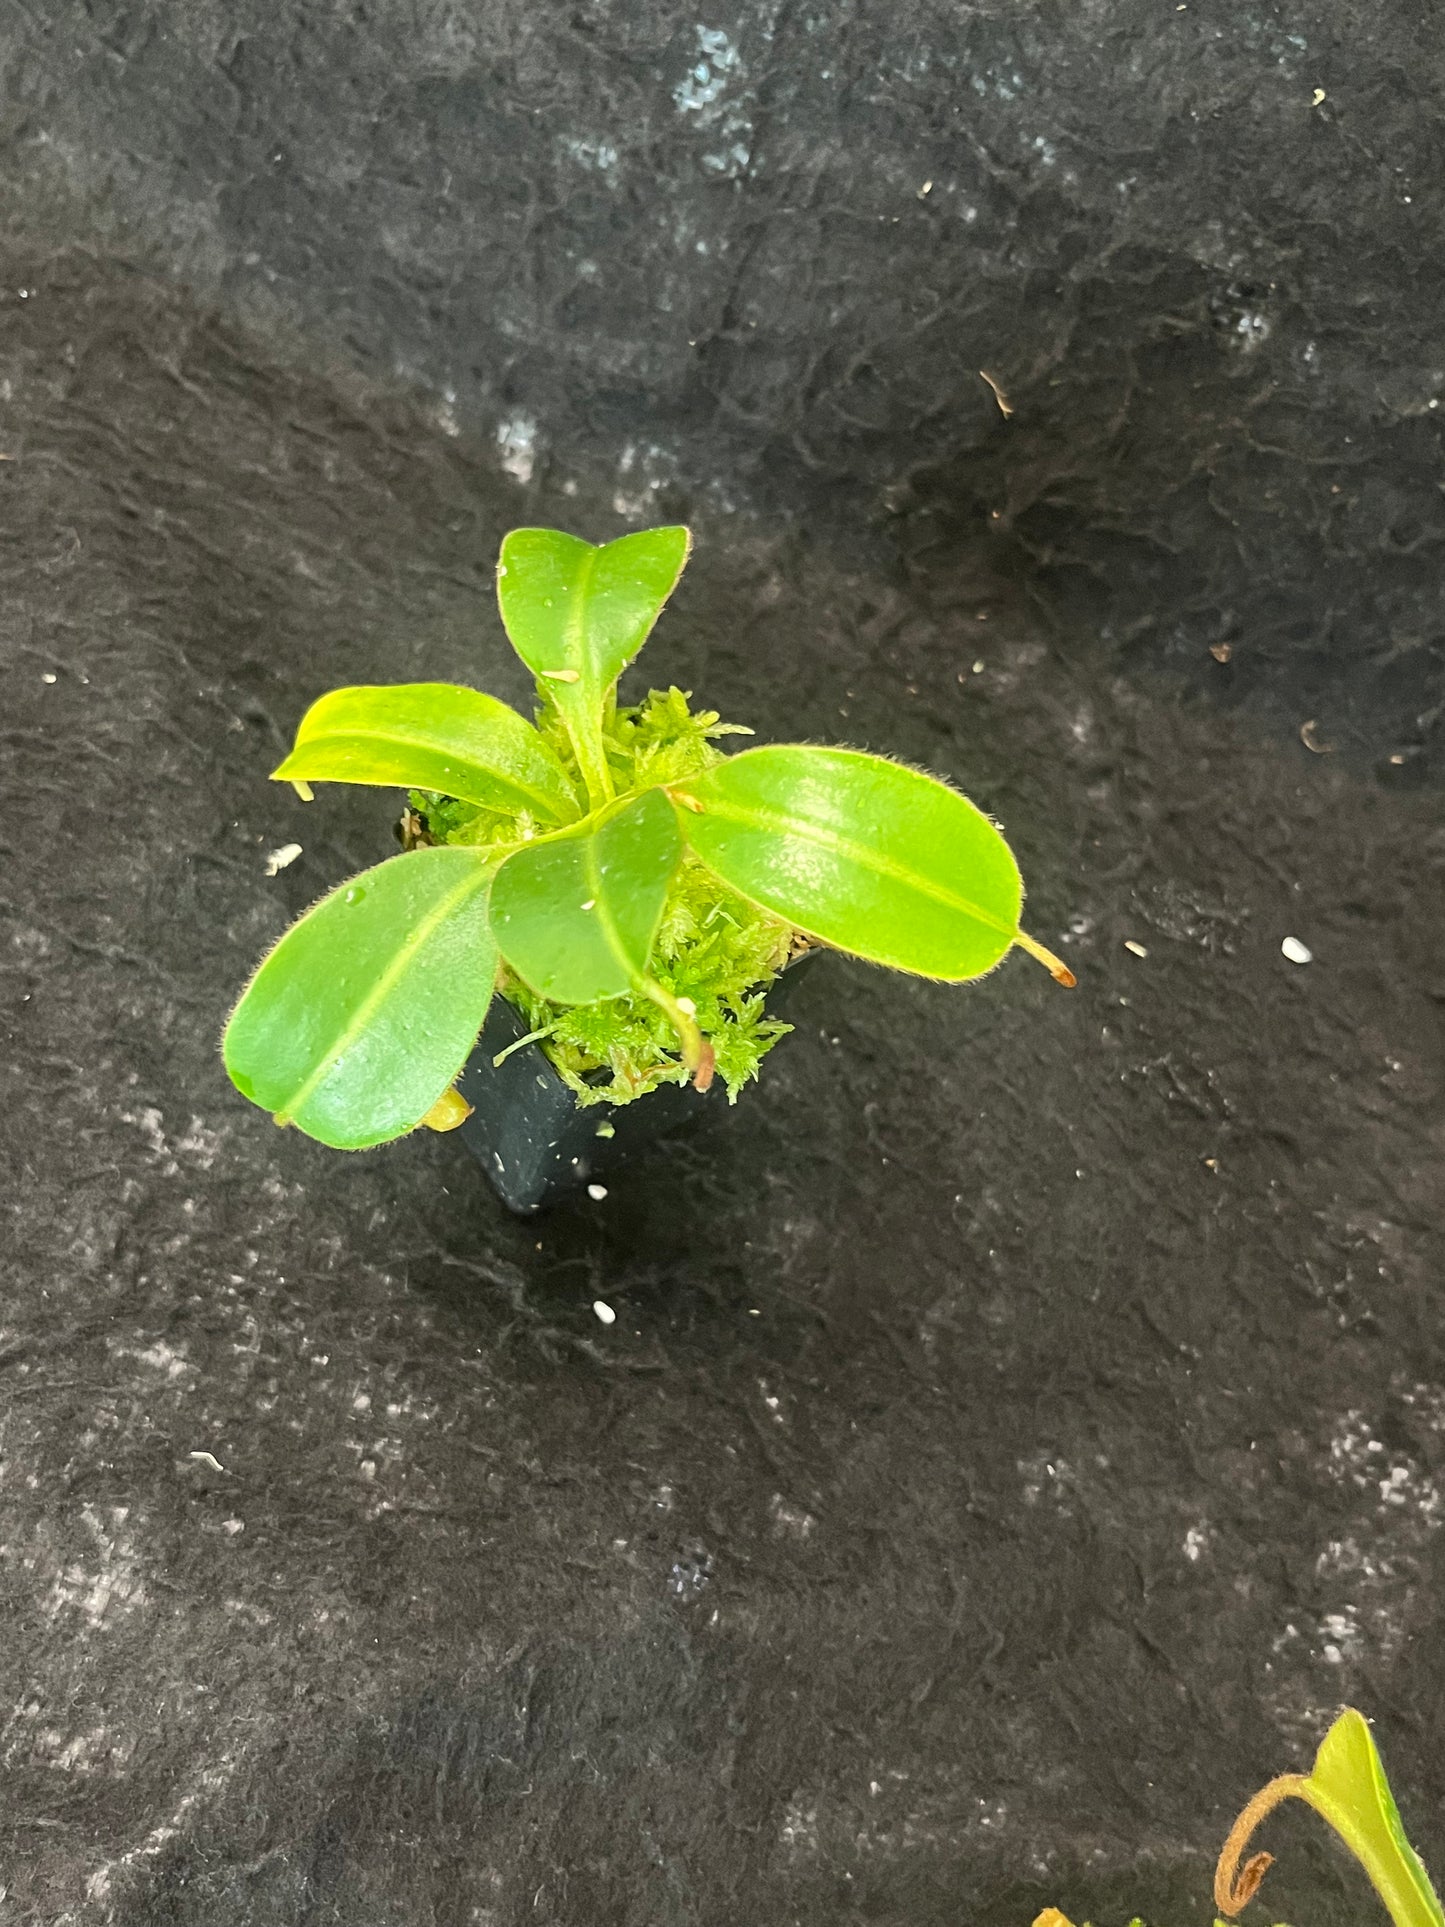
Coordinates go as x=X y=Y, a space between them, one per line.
x=1347 y=1785
x=364 y=1012
x=575 y=915
x=577 y=615
x=870 y=856
x=431 y=736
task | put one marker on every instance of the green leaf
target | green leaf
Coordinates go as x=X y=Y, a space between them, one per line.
x=1348 y=1788
x=575 y=914
x=362 y=1015
x=431 y=736
x=577 y=615
x=870 y=856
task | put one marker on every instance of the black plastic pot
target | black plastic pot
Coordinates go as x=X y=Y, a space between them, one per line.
x=532 y=1138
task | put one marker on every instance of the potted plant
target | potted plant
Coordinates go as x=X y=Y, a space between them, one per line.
x=603 y=894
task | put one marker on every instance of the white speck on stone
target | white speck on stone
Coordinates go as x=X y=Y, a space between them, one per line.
x=281 y=858
x=161 y=1357
x=49 y=676
x=1195 y=1541
x=705 y=82
x=598 y=155
x=1297 y=952
x=597 y=1192
x=604 y=1312
x=517 y=441
x=1135 y=949
x=790 y=1519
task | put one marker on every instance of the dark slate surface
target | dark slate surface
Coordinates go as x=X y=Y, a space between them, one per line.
x=1026 y=1423
x=1019 y=1430
x=1198 y=246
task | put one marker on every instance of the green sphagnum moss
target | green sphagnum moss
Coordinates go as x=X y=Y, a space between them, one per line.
x=713 y=946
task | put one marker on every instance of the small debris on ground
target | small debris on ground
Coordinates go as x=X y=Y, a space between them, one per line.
x=597 y=1192
x=1005 y=407
x=282 y=858
x=210 y=1459
x=1296 y=951
x=604 y=1312
x=1319 y=95
x=1307 y=737
x=1221 y=651
x=1135 y=949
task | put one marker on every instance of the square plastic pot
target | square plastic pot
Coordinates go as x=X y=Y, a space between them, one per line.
x=532 y=1138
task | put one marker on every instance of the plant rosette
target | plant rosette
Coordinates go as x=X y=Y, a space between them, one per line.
x=625 y=888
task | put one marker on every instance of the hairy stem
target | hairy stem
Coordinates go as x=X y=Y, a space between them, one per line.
x=697 y=1052
x=1235 y=1885
x=1056 y=967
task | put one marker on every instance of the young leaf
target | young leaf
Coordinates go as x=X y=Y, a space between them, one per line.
x=577 y=615
x=870 y=856
x=1348 y=1789
x=575 y=915
x=431 y=736
x=359 y=1019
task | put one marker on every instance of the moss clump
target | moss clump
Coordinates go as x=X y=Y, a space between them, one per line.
x=713 y=946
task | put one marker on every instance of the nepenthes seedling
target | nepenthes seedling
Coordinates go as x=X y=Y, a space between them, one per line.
x=630 y=888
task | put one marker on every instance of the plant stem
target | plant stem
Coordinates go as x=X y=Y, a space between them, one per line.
x=1236 y=1886
x=697 y=1052
x=592 y=761
x=1056 y=967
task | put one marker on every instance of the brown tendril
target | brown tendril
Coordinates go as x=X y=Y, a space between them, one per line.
x=1235 y=1885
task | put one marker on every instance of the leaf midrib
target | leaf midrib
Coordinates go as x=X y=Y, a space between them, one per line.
x=578 y=657
x=462 y=759
x=597 y=890
x=420 y=934
x=753 y=817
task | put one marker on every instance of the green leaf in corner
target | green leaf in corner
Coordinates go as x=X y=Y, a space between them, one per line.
x=575 y=915
x=870 y=856
x=359 y=1019
x=577 y=615
x=1347 y=1787
x=431 y=736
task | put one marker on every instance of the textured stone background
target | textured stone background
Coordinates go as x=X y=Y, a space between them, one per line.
x=1027 y=1423
x=698 y=247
